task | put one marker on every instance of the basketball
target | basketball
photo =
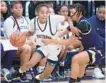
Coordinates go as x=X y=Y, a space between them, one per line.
x=17 y=39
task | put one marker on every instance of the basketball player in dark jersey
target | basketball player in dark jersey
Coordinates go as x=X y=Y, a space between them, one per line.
x=90 y=40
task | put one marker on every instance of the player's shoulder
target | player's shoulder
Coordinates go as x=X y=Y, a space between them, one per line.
x=84 y=26
x=9 y=20
x=84 y=23
x=26 y=18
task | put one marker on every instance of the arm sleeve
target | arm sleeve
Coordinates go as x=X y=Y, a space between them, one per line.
x=8 y=27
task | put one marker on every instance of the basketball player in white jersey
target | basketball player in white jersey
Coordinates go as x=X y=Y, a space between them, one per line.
x=42 y=63
x=19 y=22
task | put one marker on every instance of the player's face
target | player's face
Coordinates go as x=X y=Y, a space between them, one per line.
x=43 y=14
x=73 y=14
x=101 y=14
x=17 y=10
x=3 y=7
x=64 y=11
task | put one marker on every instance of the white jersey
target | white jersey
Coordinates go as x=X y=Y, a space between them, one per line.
x=10 y=25
x=47 y=30
x=61 y=27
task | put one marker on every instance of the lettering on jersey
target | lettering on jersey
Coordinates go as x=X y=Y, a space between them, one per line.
x=23 y=27
x=44 y=36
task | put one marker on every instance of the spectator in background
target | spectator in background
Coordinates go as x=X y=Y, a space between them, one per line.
x=49 y=4
x=51 y=11
x=50 y=7
x=32 y=8
x=98 y=22
x=17 y=21
x=64 y=11
x=3 y=16
x=31 y=5
x=6 y=55
x=8 y=12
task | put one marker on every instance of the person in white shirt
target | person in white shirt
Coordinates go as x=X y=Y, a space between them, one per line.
x=21 y=23
x=7 y=55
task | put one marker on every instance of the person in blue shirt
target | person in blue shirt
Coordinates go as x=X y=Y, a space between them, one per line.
x=98 y=22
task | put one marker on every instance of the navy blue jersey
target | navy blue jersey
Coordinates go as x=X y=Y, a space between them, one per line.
x=89 y=36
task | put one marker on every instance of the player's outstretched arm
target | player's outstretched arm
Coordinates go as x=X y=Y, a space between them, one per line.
x=59 y=41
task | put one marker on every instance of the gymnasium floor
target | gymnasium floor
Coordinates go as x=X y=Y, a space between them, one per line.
x=87 y=79
x=59 y=81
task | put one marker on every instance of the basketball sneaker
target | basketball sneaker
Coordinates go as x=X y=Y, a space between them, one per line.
x=23 y=78
x=10 y=76
x=97 y=73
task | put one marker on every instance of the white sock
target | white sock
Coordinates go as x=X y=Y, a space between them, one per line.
x=62 y=63
x=37 y=77
x=20 y=71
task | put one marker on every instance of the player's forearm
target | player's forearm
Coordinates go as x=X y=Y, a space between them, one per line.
x=63 y=42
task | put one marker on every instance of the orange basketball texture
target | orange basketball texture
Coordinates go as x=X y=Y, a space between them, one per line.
x=17 y=39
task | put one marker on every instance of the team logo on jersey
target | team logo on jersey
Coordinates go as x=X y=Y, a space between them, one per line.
x=23 y=27
x=44 y=36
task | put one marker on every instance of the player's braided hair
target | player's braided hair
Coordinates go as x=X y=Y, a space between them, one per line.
x=80 y=9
